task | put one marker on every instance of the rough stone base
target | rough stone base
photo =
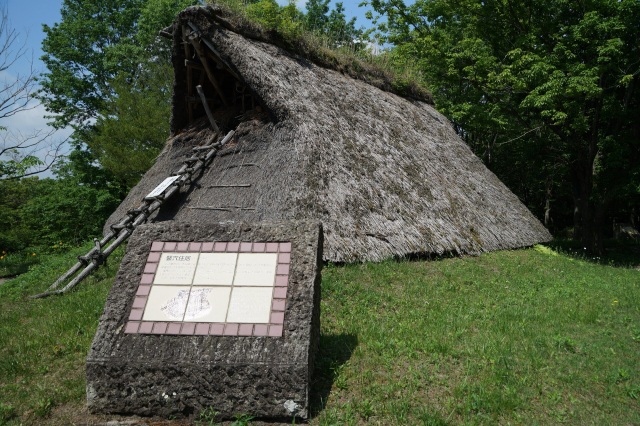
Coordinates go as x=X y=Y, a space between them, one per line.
x=178 y=376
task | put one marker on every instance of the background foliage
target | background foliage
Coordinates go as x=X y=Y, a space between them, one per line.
x=544 y=91
x=109 y=76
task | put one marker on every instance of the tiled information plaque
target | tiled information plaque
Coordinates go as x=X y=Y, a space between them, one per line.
x=212 y=288
x=210 y=315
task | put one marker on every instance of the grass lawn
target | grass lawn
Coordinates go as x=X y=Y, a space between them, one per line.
x=514 y=337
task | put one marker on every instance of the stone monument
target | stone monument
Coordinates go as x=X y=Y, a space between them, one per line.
x=221 y=316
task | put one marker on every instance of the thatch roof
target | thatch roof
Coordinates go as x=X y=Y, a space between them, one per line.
x=387 y=176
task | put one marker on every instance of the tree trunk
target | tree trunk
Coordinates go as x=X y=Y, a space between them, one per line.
x=582 y=210
x=548 y=220
x=584 y=213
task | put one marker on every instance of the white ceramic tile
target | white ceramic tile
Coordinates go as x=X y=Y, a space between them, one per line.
x=176 y=268
x=256 y=269
x=166 y=303
x=250 y=305
x=208 y=304
x=215 y=269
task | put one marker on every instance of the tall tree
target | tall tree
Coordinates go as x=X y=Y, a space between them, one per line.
x=83 y=53
x=316 y=18
x=556 y=76
x=109 y=76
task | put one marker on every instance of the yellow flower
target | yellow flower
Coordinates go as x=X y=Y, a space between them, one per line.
x=33 y=254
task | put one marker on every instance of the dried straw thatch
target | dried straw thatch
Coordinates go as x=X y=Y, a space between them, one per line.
x=387 y=176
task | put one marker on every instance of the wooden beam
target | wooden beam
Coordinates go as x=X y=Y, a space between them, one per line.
x=206 y=108
x=187 y=53
x=215 y=52
x=203 y=59
x=193 y=64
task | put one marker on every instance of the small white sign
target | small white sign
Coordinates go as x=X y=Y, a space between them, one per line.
x=176 y=268
x=215 y=269
x=256 y=269
x=250 y=305
x=164 y=185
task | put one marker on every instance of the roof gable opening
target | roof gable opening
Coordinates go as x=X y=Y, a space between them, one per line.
x=204 y=80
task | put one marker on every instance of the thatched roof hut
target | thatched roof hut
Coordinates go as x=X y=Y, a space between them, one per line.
x=386 y=175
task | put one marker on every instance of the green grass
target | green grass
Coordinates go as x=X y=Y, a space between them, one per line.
x=44 y=343
x=12 y=264
x=514 y=337
x=520 y=337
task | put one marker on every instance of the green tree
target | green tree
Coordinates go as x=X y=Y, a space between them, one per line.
x=109 y=76
x=14 y=236
x=332 y=23
x=340 y=29
x=316 y=18
x=555 y=80
x=66 y=211
x=83 y=53
x=69 y=209
x=134 y=124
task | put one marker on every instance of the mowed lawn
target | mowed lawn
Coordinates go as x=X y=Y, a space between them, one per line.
x=514 y=337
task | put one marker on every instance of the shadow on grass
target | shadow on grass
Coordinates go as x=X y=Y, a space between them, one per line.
x=624 y=254
x=334 y=352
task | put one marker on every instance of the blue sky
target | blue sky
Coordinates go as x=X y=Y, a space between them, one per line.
x=351 y=9
x=28 y=16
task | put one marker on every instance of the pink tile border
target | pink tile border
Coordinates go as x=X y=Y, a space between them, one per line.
x=136 y=315
x=231 y=329
x=188 y=328
x=245 y=330
x=154 y=256
x=216 y=329
x=278 y=305
x=202 y=329
x=143 y=290
x=174 y=328
x=275 y=328
x=261 y=330
x=150 y=268
x=157 y=246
